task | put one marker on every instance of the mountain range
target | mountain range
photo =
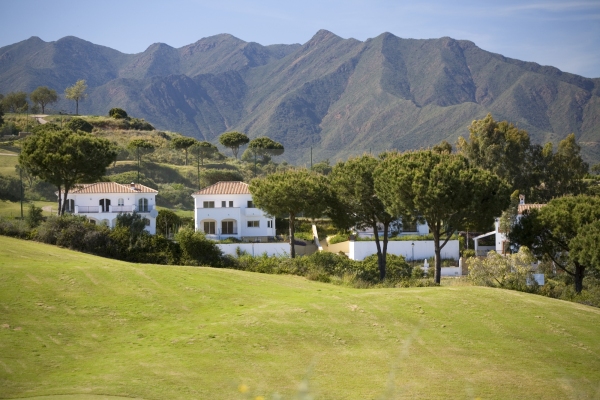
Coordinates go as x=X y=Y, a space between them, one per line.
x=331 y=97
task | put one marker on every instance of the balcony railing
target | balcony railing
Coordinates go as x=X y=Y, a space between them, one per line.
x=87 y=209
x=112 y=209
x=122 y=209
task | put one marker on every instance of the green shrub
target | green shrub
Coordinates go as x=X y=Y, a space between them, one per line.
x=14 y=228
x=339 y=238
x=396 y=269
x=79 y=124
x=117 y=113
x=470 y=253
x=196 y=249
x=34 y=216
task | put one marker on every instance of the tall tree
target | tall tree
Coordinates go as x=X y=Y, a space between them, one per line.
x=15 y=102
x=202 y=151
x=561 y=231
x=140 y=147
x=77 y=92
x=353 y=184
x=183 y=142
x=534 y=170
x=442 y=189
x=43 y=96
x=565 y=169
x=291 y=192
x=233 y=140
x=265 y=148
x=502 y=148
x=65 y=159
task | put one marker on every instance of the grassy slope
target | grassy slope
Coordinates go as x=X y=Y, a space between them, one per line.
x=73 y=323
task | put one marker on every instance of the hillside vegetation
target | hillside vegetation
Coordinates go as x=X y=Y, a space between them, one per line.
x=72 y=323
x=339 y=96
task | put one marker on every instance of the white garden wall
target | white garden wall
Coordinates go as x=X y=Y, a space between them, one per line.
x=359 y=250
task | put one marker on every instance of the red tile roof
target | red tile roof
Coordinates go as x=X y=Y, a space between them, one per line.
x=524 y=208
x=112 y=187
x=227 y=187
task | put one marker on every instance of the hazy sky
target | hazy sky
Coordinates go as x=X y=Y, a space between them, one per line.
x=561 y=33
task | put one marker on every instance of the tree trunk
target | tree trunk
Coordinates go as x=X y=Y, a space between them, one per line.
x=76 y=107
x=59 y=199
x=64 y=202
x=292 y=231
x=380 y=255
x=186 y=156
x=438 y=258
x=579 y=274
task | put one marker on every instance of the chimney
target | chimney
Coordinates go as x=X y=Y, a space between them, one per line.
x=132 y=186
x=521 y=199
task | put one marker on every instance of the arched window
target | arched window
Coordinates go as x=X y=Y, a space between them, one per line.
x=143 y=205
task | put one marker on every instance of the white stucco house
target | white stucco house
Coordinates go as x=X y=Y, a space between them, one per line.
x=501 y=245
x=225 y=210
x=101 y=202
x=406 y=229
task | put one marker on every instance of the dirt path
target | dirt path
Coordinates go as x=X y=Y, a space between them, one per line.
x=40 y=118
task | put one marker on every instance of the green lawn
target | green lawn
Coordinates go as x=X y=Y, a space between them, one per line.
x=8 y=160
x=72 y=323
x=13 y=209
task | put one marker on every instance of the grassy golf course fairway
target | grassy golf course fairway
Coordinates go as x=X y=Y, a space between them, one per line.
x=75 y=326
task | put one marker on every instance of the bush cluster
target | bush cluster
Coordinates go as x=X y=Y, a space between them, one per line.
x=333 y=268
x=129 y=241
x=515 y=273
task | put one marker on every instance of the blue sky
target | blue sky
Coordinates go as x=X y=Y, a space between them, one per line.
x=561 y=33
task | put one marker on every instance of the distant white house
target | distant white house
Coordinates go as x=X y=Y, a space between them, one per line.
x=501 y=240
x=101 y=202
x=406 y=229
x=226 y=209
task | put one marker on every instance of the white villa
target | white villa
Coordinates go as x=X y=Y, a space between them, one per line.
x=407 y=229
x=101 y=202
x=225 y=210
x=501 y=240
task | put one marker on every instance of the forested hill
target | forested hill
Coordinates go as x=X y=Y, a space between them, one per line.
x=338 y=96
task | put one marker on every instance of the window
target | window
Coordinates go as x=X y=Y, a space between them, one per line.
x=231 y=203
x=120 y=202
x=253 y=224
x=227 y=228
x=104 y=205
x=250 y=204
x=209 y=227
x=143 y=205
x=208 y=204
x=70 y=205
x=269 y=224
x=223 y=204
x=409 y=226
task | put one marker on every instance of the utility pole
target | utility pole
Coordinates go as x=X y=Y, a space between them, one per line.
x=21 y=175
x=311 y=158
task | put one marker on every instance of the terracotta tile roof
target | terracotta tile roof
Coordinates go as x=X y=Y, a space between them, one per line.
x=524 y=208
x=112 y=187
x=227 y=187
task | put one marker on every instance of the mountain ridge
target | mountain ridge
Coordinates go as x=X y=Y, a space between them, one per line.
x=338 y=96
